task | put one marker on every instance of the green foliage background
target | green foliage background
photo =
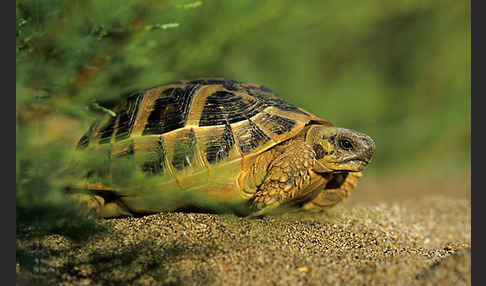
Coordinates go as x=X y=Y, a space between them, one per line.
x=396 y=70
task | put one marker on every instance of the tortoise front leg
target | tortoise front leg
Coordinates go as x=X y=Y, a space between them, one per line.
x=287 y=177
x=336 y=190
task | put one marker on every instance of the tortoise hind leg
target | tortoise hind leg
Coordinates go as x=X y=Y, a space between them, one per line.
x=114 y=209
x=99 y=207
x=336 y=190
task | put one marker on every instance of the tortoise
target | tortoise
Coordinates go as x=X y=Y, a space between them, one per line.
x=228 y=141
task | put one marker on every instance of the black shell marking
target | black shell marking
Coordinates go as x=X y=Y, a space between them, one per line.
x=250 y=136
x=125 y=116
x=128 y=114
x=231 y=84
x=170 y=110
x=107 y=130
x=220 y=145
x=185 y=149
x=268 y=98
x=228 y=84
x=208 y=81
x=155 y=166
x=124 y=127
x=83 y=142
x=276 y=124
x=131 y=148
x=224 y=107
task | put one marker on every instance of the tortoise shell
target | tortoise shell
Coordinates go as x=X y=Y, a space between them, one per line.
x=197 y=134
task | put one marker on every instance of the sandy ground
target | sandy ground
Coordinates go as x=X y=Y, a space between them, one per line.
x=390 y=232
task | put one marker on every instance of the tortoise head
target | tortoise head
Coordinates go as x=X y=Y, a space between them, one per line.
x=339 y=149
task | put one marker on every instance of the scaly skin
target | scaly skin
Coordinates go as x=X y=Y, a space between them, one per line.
x=334 y=193
x=287 y=178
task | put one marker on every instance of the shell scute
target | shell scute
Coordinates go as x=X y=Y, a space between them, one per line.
x=250 y=136
x=184 y=150
x=170 y=110
x=275 y=123
x=223 y=107
x=219 y=144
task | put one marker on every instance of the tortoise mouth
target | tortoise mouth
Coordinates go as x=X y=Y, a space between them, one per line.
x=355 y=159
x=334 y=172
x=344 y=166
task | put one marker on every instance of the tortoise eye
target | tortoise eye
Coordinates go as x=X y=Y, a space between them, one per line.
x=345 y=144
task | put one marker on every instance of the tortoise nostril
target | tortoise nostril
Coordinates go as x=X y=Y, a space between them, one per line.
x=368 y=142
x=369 y=147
